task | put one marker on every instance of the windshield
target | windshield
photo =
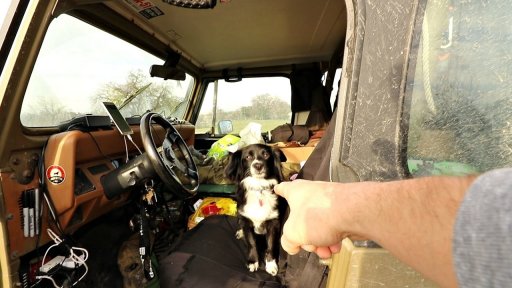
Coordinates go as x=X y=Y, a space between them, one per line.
x=79 y=66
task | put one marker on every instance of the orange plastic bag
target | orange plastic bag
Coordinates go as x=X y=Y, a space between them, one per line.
x=212 y=206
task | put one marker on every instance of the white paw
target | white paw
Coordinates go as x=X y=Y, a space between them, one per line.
x=253 y=266
x=272 y=182
x=239 y=234
x=271 y=267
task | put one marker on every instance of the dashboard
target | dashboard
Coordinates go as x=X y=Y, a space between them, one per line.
x=74 y=163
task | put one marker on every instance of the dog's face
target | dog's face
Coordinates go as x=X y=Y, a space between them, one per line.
x=256 y=160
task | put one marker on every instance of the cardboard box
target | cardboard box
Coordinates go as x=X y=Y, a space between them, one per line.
x=297 y=154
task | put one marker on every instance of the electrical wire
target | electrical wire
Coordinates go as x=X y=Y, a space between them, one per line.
x=126 y=149
x=134 y=144
x=46 y=194
x=51 y=208
x=49 y=278
x=78 y=260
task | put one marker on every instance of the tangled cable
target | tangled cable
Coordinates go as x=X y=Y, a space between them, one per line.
x=76 y=258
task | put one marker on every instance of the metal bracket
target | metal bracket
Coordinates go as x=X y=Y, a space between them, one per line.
x=24 y=165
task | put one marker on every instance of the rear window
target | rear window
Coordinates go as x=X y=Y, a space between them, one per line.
x=79 y=66
x=459 y=89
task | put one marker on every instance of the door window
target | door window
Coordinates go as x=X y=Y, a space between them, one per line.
x=460 y=119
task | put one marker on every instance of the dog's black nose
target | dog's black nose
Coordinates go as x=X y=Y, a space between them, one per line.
x=257 y=166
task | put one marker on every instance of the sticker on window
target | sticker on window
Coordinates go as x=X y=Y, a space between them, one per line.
x=55 y=174
x=145 y=8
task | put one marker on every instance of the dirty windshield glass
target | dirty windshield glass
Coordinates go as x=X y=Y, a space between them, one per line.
x=80 y=66
x=461 y=102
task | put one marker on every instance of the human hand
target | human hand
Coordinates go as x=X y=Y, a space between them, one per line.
x=315 y=217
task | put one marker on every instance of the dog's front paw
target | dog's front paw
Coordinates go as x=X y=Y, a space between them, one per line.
x=253 y=266
x=271 y=267
x=239 y=234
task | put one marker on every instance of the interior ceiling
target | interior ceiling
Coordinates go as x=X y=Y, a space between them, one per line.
x=247 y=33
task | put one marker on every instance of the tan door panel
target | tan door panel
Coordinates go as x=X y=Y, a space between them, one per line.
x=371 y=267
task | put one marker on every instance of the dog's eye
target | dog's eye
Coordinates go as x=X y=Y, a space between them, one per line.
x=249 y=157
x=265 y=154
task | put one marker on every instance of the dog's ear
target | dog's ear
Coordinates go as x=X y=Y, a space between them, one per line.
x=278 y=154
x=279 y=157
x=233 y=170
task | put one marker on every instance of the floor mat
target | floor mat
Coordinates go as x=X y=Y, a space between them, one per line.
x=102 y=238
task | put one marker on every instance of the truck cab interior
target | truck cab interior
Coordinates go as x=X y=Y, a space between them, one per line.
x=116 y=117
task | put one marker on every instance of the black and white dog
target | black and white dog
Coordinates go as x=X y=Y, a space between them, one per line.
x=256 y=169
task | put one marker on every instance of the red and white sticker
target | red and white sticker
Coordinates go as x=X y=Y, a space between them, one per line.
x=145 y=8
x=55 y=174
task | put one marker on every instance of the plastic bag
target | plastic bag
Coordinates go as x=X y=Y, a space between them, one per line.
x=219 y=149
x=212 y=206
x=251 y=134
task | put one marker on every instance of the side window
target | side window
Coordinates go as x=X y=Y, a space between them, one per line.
x=335 y=87
x=460 y=119
x=73 y=75
x=264 y=100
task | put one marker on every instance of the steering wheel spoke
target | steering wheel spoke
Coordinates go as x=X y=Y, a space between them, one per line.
x=172 y=136
x=172 y=158
x=192 y=173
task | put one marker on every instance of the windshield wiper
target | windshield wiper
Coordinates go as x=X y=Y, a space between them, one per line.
x=131 y=97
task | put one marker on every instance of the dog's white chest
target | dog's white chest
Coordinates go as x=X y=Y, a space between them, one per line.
x=261 y=201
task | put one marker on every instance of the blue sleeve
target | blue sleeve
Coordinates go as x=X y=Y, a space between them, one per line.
x=482 y=244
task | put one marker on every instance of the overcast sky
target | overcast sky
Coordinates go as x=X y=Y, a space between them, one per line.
x=4 y=5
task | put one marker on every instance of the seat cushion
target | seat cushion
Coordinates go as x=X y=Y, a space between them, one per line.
x=209 y=255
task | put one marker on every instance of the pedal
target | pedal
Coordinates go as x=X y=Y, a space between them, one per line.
x=57 y=260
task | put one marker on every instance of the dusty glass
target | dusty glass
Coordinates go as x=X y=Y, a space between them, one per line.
x=459 y=88
x=80 y=66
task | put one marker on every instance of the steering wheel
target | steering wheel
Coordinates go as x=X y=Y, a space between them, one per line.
x=172 y=161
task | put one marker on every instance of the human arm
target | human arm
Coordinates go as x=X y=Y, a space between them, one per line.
x=413 y=219
x=482 y=233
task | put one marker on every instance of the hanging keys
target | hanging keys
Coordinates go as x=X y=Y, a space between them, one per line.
x=150 y=195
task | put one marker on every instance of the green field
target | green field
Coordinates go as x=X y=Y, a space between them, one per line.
x=266 y=125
